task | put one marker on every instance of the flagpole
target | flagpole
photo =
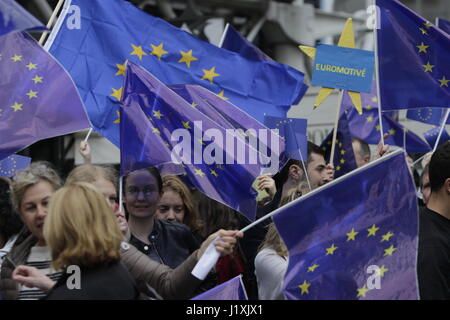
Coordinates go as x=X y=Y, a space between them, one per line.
x=51 y=21
x=88 y=134
x=321 y=188
x=441 y=130
x=304 y=169
x=222 y=39
x=336 y=121
x=377 y=71
x=120 y=194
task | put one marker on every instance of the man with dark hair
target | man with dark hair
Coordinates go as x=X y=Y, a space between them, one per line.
x=361 y=150
x=434 y=232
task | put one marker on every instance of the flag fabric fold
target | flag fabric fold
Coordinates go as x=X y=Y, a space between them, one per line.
x=38 y=99
x=444 y=25
x=414 y=59
x=15 y=18
x=354 y=238
x=231 y=290
x=432 y=135
x=216 y=160
x=115 y=31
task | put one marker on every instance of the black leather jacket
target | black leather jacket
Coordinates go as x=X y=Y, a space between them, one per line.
x=170 y=243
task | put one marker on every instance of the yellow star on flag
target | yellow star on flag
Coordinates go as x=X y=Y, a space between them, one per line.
x=32 y=94
x=158 y=50
x=16 y=58
x=389 y=251
x=17 y=106
x=342 y=161
x=313 y=268
x=210 y=74
x=199 y=172
x=362 y=291
x=31 y=66
x=369 y=119
x=37 y=79
x=331 y=249
x=187 y=57
x=186 y=124
x=137 y=51
x=444 y=82
x=338 y=168
x=428 y=67
x=222 y=95
x=342 y=152
x=372 y=230
x=422 y=47
x=347 y=40
x=392 y=131
x=386 y=237
x=382 y=270
x=118 y=118
x=423 y=31
x=214 y=173
x=304 y=287
x=158 y=114
x=193 y=104
x=351 y=235
x=374 y=99
x=156 y=130
x=378 y=127
x=201 y=141
x=428 y=25
x=122 y=68
x=117 y=93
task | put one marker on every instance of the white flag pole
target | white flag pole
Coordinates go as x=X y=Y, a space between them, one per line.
x=51 y=21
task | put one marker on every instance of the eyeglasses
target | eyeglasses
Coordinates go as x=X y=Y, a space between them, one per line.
x=147 y=191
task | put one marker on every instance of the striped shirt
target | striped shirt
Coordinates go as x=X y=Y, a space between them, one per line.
x=40 y=258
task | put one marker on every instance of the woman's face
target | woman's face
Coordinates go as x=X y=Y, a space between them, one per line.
x=141 y=194
x=170 y=207
x=33 y=208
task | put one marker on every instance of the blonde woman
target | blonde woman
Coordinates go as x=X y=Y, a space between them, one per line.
x=81 y=232
x=272 y=259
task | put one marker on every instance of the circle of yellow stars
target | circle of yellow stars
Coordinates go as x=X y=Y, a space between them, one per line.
x=352 y=236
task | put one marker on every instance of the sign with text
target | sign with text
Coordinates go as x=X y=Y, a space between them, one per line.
x=343 y=68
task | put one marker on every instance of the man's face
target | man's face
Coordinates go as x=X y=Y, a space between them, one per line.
x=425 y=187
x=316 y=170
x=360 y=161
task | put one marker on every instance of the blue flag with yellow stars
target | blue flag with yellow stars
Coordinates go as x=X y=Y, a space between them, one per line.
x=38 y=99
x=15 y=18
x=222 y=161
x=432 y=135
x=234 y=41
x=293 y=130
x=427 y=115
x=355 y=237
x=344 y=158
x=10 y=165
x=414 y=59
x=111 y=32
x=230 y=290
x=444 y=25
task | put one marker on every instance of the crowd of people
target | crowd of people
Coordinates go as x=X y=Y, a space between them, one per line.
x=148 y=248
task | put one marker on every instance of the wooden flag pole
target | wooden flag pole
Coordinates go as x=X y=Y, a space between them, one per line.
x=336 y=122
x=51 y=21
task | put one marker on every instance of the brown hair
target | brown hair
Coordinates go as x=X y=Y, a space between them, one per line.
x=80 y=229
x=90 y=173
x=171 y=182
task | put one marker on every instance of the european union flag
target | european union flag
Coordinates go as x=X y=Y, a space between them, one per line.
x=414 y=59
x=38 y=99
x=114 y=31
x=235 y=42
x=12 y=164
x=354 y=238
x=427 y=115
x=231 y=290
x=443 y=25
x=432 y=135
x=293 y=130
x=15 y=18
x=344 y=158
x=219 y=161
